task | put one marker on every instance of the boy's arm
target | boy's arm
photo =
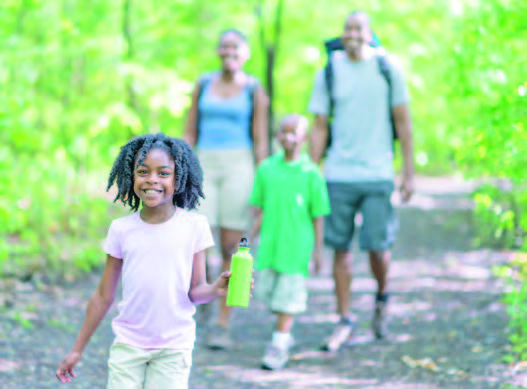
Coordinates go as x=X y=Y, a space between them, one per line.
x=99 y=303
x=319 y=242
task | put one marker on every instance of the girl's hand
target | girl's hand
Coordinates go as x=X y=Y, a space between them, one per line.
x=67 y=365
x=220 y=286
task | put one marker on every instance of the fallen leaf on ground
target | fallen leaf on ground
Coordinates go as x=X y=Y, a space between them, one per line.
x=520 y=366
x=426 y=363
x=7 y=366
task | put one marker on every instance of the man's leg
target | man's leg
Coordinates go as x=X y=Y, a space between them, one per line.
x=342 y=274
x=338 y=233
x=379 y=263
x=377 y=236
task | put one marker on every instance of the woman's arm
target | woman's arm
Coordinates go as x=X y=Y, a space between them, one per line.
x=260 y=125
x=191 y=130
x=200 y=291
x=257 y=223
x=99 y=303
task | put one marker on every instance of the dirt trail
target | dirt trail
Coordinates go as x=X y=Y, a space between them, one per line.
x=446 y=315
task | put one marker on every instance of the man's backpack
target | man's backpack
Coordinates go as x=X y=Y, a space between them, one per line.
x=384 y=68
x=251 y=86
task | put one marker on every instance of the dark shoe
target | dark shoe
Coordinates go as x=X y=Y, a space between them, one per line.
x=341 y=335
x=379 y=320
x=219 y=338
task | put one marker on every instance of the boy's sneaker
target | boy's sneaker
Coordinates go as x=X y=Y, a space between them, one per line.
x=275 y=358
x=379 y=322
x=341 y=335
x=219 y=338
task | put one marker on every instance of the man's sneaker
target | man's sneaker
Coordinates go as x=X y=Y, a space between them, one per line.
x=275 y=358
x=341 y=335
x=379 y=322
x=219 y=338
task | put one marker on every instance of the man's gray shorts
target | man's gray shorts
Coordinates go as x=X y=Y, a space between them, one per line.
x=373 y=201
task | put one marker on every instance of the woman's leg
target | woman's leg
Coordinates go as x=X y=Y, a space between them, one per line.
x=229 y=242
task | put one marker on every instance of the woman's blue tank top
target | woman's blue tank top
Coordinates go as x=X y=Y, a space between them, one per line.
x=224 y=123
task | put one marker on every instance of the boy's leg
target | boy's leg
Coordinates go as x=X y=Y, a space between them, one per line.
x=377 y=237
x=126 y=367
x=289 y=298
x=169 y=369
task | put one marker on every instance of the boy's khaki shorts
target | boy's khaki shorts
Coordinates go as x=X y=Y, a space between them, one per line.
x=228 y=177
x=283 y=293
x=136 y=368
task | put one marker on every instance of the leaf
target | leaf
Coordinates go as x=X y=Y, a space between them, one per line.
x=7 y=366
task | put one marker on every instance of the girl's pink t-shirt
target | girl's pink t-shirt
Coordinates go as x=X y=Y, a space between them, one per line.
x=155 y=310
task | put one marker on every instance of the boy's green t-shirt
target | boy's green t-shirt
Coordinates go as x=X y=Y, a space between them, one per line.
x=291 y=195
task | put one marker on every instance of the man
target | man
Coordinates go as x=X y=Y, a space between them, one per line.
x=359 y=165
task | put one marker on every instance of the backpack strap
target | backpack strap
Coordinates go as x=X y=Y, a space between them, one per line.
x=384 y=68
x=252 y=85
x=203 y=81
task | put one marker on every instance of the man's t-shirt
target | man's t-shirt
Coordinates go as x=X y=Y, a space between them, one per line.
x=155 y=310
x=361 y=147
x=291 y=195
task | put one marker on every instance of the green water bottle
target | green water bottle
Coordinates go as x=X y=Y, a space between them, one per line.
x=240 y=281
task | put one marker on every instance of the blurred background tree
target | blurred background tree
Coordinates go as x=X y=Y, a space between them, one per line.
x=78 y=79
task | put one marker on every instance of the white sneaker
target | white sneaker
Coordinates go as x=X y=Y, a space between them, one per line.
x=275 y=358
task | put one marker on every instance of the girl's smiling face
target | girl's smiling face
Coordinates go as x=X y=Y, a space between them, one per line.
x=155 y=179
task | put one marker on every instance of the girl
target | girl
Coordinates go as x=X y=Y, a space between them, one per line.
x=227 y=123
x=160 y=251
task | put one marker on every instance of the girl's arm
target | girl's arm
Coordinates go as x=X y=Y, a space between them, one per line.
x=260 y=124
x=200 y=291
x=99 y=303
x=191 y=129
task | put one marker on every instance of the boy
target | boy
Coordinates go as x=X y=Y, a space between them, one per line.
x=291 y=198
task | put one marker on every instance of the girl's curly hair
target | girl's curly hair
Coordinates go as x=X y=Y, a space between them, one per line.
x=189 y=176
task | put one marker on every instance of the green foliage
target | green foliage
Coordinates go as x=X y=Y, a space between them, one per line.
x=515 y=276
x=78 y=79
x=487 y=101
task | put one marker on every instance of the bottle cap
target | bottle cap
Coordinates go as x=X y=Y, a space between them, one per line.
x=243 y=243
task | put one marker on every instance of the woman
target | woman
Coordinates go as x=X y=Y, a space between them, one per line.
x=227 y=123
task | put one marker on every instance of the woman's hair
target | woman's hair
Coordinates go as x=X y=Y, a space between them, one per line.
x=240 y=34
x=189 y=176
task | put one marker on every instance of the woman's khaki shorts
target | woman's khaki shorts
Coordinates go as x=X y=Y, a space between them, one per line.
x=136 y=368
x=227 y=184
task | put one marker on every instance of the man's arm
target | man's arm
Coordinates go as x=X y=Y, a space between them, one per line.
x=403 y=126
x=319 y=137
